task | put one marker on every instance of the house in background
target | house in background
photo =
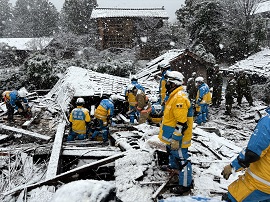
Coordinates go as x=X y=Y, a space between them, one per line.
x=16 y=50
x=122 y=28
x=184 y=61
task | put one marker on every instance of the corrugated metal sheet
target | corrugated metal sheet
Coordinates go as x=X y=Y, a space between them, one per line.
x=119 y=12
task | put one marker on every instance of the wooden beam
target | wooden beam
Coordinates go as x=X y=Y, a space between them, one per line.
x=67 y=175
x=28 y=122
x=25 y=132
x=56 y=151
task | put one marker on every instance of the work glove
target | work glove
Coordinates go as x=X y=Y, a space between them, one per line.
x=174 y=144
x=227 y=171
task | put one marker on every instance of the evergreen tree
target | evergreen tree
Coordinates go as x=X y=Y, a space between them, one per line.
x=33 y=18
x=5 y=15
x=76 y=16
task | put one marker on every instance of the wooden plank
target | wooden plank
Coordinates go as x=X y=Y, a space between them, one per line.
x=56 y=151
x=67 y=176
x=28 y=122
x=25 y=132
x=89 y=152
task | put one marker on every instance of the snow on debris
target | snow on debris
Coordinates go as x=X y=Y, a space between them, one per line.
x=84 y=190
x=259 y=63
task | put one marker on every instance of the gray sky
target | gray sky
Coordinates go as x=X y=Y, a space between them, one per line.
x=170 y=5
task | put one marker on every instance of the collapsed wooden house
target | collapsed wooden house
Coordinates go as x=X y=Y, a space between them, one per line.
x=121 y=27
x=184 y=61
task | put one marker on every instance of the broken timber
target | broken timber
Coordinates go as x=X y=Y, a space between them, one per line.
x=28 y=122
x=56 y=151
x=67 y=175
x=25 y=132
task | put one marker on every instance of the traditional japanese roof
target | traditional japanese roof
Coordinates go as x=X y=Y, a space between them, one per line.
x=128 y=12
x=25 y=43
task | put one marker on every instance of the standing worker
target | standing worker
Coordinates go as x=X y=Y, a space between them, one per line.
x=16 y=100
x=191 y=87
x=217 y=81
x=176 y=130
x=243 y=88
x=254 y=185
x=104 y=114
x=142 y=105
x=162 y=89
x=230 y=93
x=203 y=99
x=79 y=118
x=130 y=98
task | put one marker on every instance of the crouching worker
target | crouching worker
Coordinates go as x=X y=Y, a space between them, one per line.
x=104 y=114
x=176 y=131
x=79 y=119
x=16 y=100
x=254 y=185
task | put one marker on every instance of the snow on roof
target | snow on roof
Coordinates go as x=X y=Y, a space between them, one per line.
x=26 y=43
x=128 y=12
x=259 y=63
x=90 y=83
x=151 y=67
x=263 y=7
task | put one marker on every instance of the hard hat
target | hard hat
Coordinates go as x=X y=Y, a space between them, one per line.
x=194 y=74
x=153 y=99
x=80 y=101
x=130 y=87
x=134 y=78
x=163 y=66
x=174 y=77
x=231 y=74
x=113 y=97
x=22 y=93
x=199 y=79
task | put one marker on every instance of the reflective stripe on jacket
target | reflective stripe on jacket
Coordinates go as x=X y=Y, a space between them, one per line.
x=177 y=109
x=78 y=117
x=105 y=109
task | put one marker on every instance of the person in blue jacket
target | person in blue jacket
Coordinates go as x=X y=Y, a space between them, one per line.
x=203 y=99
x=104 y=114
x=162 y=82
x=16 y=100
x=79 y=118
x=254 y=185
x=130 y=98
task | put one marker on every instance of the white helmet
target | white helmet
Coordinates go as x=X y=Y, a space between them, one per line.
x=130 y=87
x=113 y=97
x=22 y=93
x=134 y=78
x=80 y=101
x=194 y=74
x=199 y=79
x=153 y=99
x=175 y=77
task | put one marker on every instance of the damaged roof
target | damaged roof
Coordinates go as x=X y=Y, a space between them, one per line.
x=129 y=12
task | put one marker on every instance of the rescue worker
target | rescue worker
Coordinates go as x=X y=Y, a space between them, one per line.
x=104 y=114
x=162 y=90
x=243 y=88
x=142 y=105
x=176 y=131
x=230 y=93
x=217 y=81
x=191 y=87
x=203 y=99
x=254 y=185
x=130 y=98
x=79 y=118
x=156 y=113
x=16 y=100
